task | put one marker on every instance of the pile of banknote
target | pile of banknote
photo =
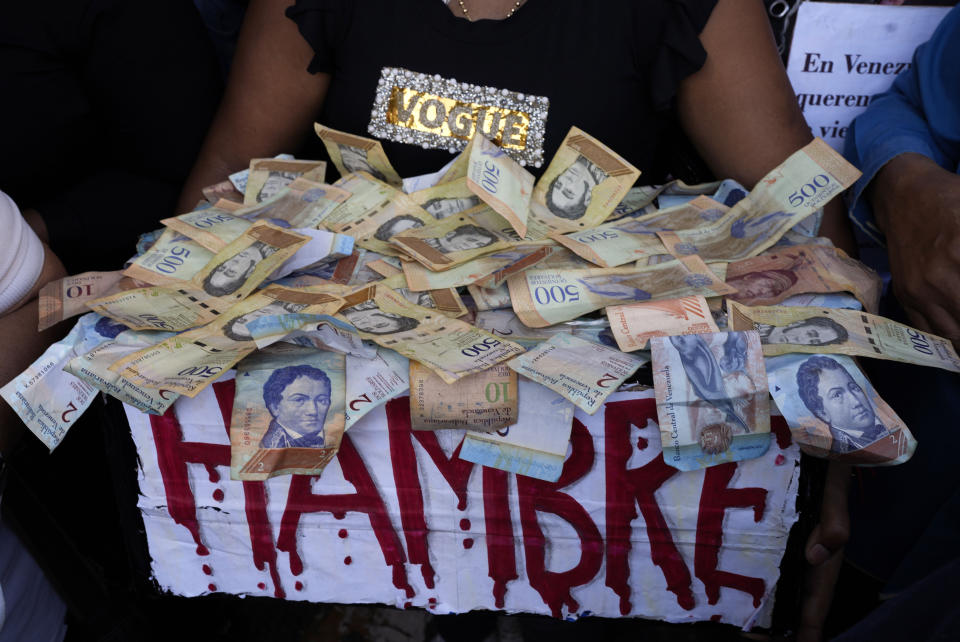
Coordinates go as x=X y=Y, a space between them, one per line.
x=499 y=303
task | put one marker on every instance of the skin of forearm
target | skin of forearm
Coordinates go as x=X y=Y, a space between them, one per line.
x=897 y=184
x=270 y=101
x=23 y=344
x=740 y=110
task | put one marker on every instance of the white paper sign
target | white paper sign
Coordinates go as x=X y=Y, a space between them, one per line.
x=842 y=55
x=398 y=518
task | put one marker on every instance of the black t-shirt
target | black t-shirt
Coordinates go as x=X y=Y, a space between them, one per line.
x=103 y=107
x=611 y=68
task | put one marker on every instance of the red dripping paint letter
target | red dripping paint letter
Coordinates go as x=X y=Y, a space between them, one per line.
x=715 y=499
x=501 y=558
x=406 y=476
x=628 y=488
x=546 y=497
x=367 y=500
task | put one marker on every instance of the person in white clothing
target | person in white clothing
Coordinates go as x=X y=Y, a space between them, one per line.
x=26 y=265
x=29 y=607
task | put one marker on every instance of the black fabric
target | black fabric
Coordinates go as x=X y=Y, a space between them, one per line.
x=927 y=611
x=922 y=492
x=103 y=106
x=611 y=68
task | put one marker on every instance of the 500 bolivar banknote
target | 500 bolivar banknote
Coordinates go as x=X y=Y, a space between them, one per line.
x=500 y=182
x=189 y=362
x=269 y=176
x=545 y=297
x=351 y=153
x=227 y=278
x=838 y=331
x=802 y=184
x=451 y=348
x=583 y=184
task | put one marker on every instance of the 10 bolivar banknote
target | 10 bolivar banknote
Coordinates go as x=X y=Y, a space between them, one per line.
x=67 y=297
x=483 y=401
x=288 y=412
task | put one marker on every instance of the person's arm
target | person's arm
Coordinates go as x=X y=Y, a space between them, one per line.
x=270 y=101
x=924 y=256
x=908 y=146
x=740 y=111
x=23 y=344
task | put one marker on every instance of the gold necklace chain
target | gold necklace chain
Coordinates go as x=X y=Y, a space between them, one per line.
x=466 y=14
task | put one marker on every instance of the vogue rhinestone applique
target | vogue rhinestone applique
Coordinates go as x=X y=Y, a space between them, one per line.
x=441 y=113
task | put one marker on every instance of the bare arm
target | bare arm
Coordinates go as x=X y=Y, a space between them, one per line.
x=740 y=110
x=23 y=344
x=924 y=258
x=270 y=100
x=741 y=113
